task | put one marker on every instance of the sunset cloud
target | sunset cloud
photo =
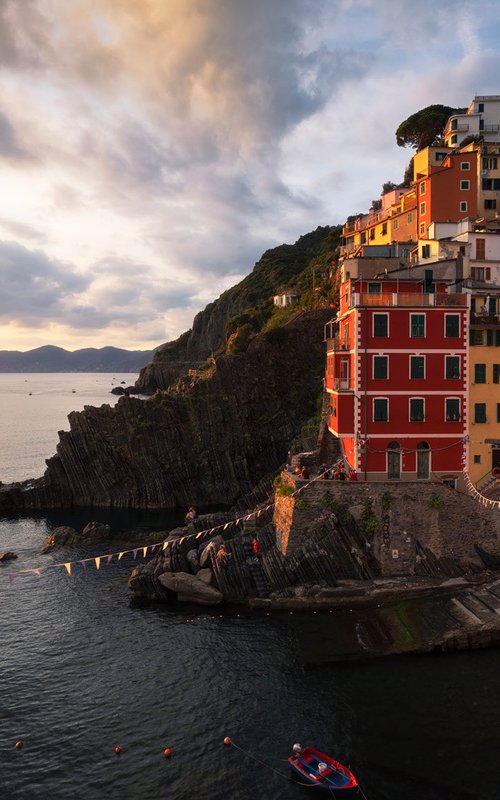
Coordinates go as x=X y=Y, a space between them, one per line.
x=152 y=151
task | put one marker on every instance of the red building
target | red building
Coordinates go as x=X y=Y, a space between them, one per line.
x=397 y=370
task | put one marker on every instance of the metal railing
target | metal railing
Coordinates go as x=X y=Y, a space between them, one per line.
x=392 y=299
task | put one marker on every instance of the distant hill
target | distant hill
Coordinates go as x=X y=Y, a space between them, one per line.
x=90 y=359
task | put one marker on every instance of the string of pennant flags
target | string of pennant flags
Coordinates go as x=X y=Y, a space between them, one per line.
x=159 y=547
x=143 y=550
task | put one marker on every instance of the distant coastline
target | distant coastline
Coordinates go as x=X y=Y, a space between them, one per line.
x=55 y=359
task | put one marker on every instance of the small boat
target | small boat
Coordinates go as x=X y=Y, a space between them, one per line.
x=323 y=772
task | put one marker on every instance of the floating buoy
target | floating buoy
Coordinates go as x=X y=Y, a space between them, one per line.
x=167 y=752
x=19 y=745
x=227 y=740
x=118 y=750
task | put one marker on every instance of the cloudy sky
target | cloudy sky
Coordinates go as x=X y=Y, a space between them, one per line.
x=151 y=150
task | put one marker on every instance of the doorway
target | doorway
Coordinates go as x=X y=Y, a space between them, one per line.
x=423 y=461
x=393 y=461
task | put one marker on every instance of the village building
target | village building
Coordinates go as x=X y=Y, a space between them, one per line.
x=482 y=118
x=397 y=370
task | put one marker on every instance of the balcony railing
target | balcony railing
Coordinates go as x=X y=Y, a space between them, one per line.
x=336 y=344
x=491 y=128
x=408 y=300
x=340 y=384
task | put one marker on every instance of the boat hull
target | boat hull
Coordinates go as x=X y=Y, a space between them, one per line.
x=335 y=778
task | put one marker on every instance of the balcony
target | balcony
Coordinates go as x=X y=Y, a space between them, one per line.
x=341 y=384
x=484 y=319
x=491 y=128
x=337 y=345
x=392 y=299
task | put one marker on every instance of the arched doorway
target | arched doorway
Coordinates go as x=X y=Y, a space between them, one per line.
x=393 y=461
x=423 y=461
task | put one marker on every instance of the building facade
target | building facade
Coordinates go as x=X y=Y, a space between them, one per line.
x=397 y=373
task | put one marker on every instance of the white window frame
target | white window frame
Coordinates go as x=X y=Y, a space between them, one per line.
x=423 y=207
x=417 y=314
x=380 y=313
x=422 y=187
x=452 y=397
x=465 y=166
x=373 y=409
x=409 y=217
x=422 y=228
x=380 y=355
x=409 y=409
x=417 y=355
x=453 y=355
x=464 y=188
x=463 y=206
x=459 y=326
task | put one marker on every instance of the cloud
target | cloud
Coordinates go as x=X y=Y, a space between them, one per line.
x=155 y=150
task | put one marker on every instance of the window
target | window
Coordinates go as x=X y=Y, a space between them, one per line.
x=479 y=373
x=394 y=225
x=374 y=288
x=465 y=166
x=452 y=371
x=481 y=124
x=454 y=124
x=384 y=228
x=464 y=185
x=479 y=412
x=422 y=187
x=440 y=156
x=490 y=163
x=417 y=367
x=480 y=108
x=498 y=412
x=476 y=338
x=454 y=139
x=372 y=233
x=410 y=217
x=363 y=237
x=381 y=325
x=380 y=410
x=463 y=205
x=477 y=459
x=417 y=326
x=422 y=229
x=426 y=250
x=490 y=205
x=416 y=409
x=496 y=373
x=480 y=273
x=491 y=184
x=452 y=326
x=452 y=409
x=380 y=368
x=422 y=209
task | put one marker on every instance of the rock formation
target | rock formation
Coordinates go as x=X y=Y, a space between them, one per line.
x=207 y=441
x=66 y=536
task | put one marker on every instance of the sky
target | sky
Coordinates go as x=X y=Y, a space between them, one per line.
x=152 y=150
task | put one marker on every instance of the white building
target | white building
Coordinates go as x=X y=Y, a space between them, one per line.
x=476 y=241
x=482 y=118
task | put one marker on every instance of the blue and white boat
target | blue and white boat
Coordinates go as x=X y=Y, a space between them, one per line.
x=322 y=772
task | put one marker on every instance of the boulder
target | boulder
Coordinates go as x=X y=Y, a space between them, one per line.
x=193 y=561
x=205 y=552
x=189 y=589
x=61 y=537
x=205 y=576
x=7 y=556
x=96 y=530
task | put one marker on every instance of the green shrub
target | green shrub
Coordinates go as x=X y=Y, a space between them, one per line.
x=435 y=501
x=282 y=489
x=300 y=504
x=240 y=340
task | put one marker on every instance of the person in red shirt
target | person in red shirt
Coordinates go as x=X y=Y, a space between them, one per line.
x=255 y=545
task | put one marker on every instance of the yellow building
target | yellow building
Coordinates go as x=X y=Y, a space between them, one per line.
x=484 y=386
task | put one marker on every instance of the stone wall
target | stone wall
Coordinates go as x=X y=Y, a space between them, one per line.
x=407 y=526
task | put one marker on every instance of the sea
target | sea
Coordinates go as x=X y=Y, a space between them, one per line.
x=85 y=668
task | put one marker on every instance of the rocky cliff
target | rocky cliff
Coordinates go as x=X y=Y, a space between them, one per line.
x=207 y=441
x=277 y=266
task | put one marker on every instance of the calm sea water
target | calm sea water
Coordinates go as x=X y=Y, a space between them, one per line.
x=83 y=669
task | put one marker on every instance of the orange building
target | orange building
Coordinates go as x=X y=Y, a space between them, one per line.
x=447 y=187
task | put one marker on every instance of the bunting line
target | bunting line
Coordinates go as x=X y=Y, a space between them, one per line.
x=160 y=546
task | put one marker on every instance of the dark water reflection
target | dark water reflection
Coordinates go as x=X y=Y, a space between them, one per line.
x=83 y=669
